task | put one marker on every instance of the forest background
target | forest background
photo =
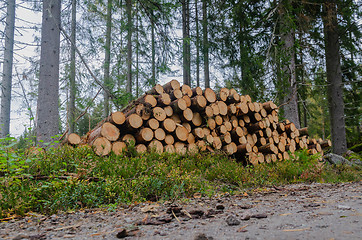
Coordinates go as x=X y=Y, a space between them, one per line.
x=95 y=56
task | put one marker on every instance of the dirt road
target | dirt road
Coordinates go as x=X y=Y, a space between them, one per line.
x=299 y=211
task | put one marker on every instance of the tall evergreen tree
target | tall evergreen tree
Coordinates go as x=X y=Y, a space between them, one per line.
x=72 y=85
x=288 y=76
x=7 y=70
x=47 y=124
x=205 y=43
x=197 y=44
x=129 y=46
x=186 y=54
x=107 y=58
x=334 y=77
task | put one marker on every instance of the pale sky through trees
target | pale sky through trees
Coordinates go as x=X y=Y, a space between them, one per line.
x=23 y=49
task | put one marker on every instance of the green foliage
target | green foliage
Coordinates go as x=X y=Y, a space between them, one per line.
x=356 y=148
x=26 y=140
x=69 y=178
x=90 y=119
x=12 y=161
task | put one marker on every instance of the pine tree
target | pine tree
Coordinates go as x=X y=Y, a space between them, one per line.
x=129 y=46
x=186 y=54
x=205 y=44
x=72 y=85
x=47 y=124
x=7 y=70
x=289 y=78
x=334 y=77
x=107 y=58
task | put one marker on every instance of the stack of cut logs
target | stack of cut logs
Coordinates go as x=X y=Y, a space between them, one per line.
x=173 y=118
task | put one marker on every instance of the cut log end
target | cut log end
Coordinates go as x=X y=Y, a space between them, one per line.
x=118 y=117
x=141 y=148
x=144 y=135
x=156 y=146
x=172 y=85
x=159 y=114
x=119 y=147
x=74 y=139
x=169 y=125
x=210 y=95
x=134 y=121
x=181 y=133
x=150 y=99
x=102 y=146
x=110 y=131
x=129 y=139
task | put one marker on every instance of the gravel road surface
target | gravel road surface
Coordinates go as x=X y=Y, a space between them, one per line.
x=298 y=211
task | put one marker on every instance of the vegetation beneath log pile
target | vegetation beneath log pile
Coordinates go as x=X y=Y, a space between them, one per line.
x=68 y=178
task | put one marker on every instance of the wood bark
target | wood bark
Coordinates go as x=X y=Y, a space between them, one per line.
x=197 y=45
x=7 y=70
x=48 y=89
x=129 y=46
x=186 y=54
x=334 y=77
x=289 y=68
x=107 y=59
x=153 y=48
x=205 y=44
x=72 y=85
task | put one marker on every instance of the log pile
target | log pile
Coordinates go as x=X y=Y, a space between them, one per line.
x=173 y=118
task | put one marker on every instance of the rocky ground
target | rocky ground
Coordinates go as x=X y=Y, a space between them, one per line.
x=298 y=211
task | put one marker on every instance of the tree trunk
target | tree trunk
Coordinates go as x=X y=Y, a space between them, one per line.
x=72 y=88
x=48 y=90
x=186 y=42
x=205 y=44
x=129 y=46
x=153 y=81
x=197 y=45
x=8 y=69
x=137 y=53
x=120 y=53
x=334 y=78
x=289 y=70
x=107 y=58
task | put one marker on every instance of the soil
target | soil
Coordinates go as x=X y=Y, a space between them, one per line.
x=298 y=211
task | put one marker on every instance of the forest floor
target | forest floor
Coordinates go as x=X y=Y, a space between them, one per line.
x=297 y=211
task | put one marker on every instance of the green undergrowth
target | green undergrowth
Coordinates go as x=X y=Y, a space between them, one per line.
x=68 y=178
